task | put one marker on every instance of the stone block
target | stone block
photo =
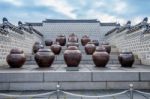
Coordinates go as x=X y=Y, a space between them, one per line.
x=115 y=76
x=67 y=76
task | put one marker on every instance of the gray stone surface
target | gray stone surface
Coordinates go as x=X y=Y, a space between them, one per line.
x=4 y=86
x=67 y=76
x=82 y=85
x=145 y=76
x=33 y=86
x=21 y=77
x=115 y=76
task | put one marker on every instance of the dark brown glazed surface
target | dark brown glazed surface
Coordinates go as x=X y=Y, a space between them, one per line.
x=100 y=57
x=126 y=59
x=72 y=56
x=61 y=39
x=36 y=47
x=16 y=58
x=44 y=57
x=90 y=48
x=96 y=42
x=107 y=47
x=48 y=42
x=85 y=39
x=73 y=38
x=56 y=48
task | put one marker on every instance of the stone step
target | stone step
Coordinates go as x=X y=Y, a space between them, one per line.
x=87 y=78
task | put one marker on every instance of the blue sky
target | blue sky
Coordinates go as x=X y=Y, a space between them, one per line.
x=103 y=10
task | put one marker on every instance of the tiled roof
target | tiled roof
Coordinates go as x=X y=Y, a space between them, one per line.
x=33 y=24
x=71 y=21
x=109 y=24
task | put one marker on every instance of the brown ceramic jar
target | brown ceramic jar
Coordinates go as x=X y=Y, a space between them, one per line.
x=90 y=48
x=48 y=42
x=44 y=57
x=107 y=47
x=56 y=48
x=126 y=59
x=95 y=42
x=72 y=44
x=16 y=58
x=72 y=56
x=61 y=39
x=36 y=47
x=100 y=57
x=73 y=38
x=85 y=39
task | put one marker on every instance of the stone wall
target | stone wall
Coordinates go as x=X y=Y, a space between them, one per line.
x=10 y=38
x=135 y=39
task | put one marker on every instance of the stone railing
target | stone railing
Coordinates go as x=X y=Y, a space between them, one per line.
x=14 y=37
x=135 y=39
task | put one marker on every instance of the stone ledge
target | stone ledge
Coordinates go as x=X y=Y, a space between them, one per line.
x=67 y=76
x=115 y=76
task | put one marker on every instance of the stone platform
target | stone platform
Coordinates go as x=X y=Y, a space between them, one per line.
x=30 y=77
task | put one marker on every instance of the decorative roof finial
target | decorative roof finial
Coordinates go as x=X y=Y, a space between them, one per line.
x=5 y=20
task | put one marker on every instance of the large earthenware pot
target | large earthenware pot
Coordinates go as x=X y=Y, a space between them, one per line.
x=61 y=39
x=100 y=57
x=56 y=48
x=48 y=42
x=107 y=47
x=72 y=56
x=16 y=58
x=90 y=48
x=36 y=46
x=72 y=38
x=72 y=44
x=95 y=42
x=44 y=57
x=126 y=59
x=85 y=39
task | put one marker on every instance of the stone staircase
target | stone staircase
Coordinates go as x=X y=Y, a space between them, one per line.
x=86 y=59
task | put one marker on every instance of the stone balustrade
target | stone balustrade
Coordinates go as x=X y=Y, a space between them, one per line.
x=14 y=37
x=133 y=38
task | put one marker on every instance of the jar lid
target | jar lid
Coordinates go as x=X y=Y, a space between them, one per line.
x=16 y=51
x=100 y=49
x=72 y=48
x=44 y=50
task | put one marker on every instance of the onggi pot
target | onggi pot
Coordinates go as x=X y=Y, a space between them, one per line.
x=96 y=42
x=36 y=47
x=61 y=39
x=16 y=58
x=90 y=48
x=56 y=48
x=107 y=47
x=85 y=39
x=44 y=57
x=72 y=56
x=72 y=38
x=48 y=42
x=126 y=59
x=100 y=57
x=72 y=44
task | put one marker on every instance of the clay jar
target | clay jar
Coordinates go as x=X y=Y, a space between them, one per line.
x=48 y=42
x=16 y=58
x=90 y=48
x=107 y=47
x=56 y=48
x=73 y=38
x=95 y=42
x=72 y=56
x=61 y=39
x=36 y=47
x=100 y=57
x=85 y=39
x=44 y=57
x=126 y=59
x=72 y=44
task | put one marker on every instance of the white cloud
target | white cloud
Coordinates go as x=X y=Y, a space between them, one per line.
x=13 y=2
x=104 y=17
x=60 y=6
